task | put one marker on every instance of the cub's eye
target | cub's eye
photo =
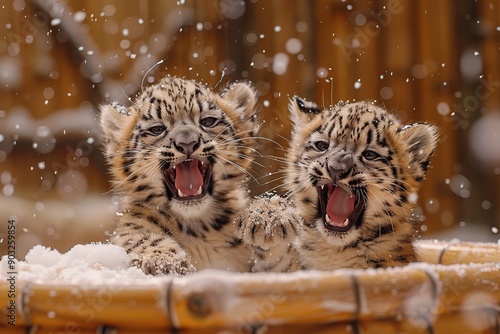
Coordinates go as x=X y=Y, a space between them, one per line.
x=321 y=145
x=371 y=155
x=156 y=130
x=209 y=122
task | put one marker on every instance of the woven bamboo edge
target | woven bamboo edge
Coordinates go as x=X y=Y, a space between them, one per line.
x=441 y=252
x=421 y=297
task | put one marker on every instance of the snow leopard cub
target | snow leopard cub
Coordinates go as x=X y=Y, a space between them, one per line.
x=353 y=171
x=179 y=157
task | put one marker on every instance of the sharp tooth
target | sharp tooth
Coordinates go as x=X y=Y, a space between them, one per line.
x=322 y=187
x=199 y=191
x=327 y=218
x=202 y=163
x=180 y=193
x=174 y=167
x=346 y=222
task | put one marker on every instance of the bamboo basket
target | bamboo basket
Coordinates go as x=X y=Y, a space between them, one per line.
x=456 y=289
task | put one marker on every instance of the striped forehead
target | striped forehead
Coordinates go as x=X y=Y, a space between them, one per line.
x=354 y=122
x=173 y=99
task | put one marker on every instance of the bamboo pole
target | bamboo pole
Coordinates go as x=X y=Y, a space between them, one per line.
x=73 y=306
x=419 y=293
x=213 y=300
x=440 y=252
x=421 y=297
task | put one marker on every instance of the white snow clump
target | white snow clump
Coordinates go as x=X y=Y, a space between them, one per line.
x=91 y=263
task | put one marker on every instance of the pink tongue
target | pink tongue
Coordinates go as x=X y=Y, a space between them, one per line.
x=339 y=206
x=188 y=178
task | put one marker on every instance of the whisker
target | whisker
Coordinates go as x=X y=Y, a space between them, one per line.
x=222 y=167
x=391 y=181
x=273 y=180
x=281 y=160
x=288 y=141
x=271 y=174
x=300 y=186
x=128 y=97
x=243 y=157
x=221 y=77
x=254 y=138
x=126 y=152
x=118 y=185
x=251 y=149
x=229 y=126
x=331 y=91
x=392 y=194
x=323 y=97
x=150 y=69
x=390 y=218
x=241 y=169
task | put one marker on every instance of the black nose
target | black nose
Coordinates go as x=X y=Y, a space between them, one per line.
x=340 y=167
x=187 y=148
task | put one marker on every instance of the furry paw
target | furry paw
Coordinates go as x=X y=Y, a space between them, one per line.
x=157 y=263
x=268 y=222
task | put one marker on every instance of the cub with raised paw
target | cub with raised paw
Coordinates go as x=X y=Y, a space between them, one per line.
x=179 y=157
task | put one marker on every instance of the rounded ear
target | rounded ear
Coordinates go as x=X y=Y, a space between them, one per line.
x=421 y=140
x=243 y=98
x=112 y=121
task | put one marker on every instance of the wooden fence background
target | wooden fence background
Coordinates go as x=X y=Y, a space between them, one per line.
x=435 y=61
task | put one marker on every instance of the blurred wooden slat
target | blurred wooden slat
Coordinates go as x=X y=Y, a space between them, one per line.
x=398 y=57
x=368 y=23
x=331 y=26
x=490 y=12
x=436 y=46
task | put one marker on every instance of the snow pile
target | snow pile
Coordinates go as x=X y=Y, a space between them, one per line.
x=91 y=263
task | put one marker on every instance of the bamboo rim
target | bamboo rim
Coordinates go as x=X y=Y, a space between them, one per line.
x=458 y=286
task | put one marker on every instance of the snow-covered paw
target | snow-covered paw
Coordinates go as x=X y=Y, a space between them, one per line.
x=269 y=221
x=163 y=264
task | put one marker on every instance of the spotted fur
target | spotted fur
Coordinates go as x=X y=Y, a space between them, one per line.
x=270 y=225
x=364 y=157
x=175 y=132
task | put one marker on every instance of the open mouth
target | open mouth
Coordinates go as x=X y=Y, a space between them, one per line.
x=188 y=179
x=340 y=209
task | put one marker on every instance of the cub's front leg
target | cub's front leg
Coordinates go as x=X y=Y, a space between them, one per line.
x=271 y=227
x=151 y=248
